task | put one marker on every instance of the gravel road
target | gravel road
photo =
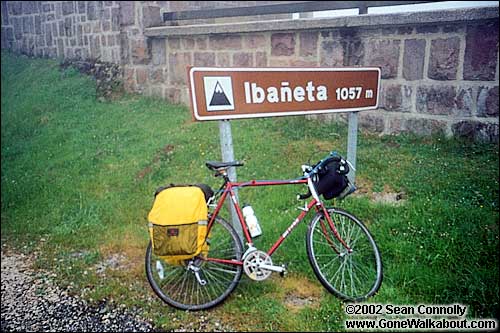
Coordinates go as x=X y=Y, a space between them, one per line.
x=32 y=302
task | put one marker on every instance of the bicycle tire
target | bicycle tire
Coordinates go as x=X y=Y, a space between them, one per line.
x=182 y=290
x=360 y=272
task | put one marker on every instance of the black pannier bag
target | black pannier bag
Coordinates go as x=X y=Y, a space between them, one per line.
x=331 y=180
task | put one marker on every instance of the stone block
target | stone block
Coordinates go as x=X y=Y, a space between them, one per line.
x=127 y=12
x=331 y=54
x=413 y=59
x=261 y=59
x=395 y=125
x=453 y=28
x=225 y=42
x=174 y=43
x=18 y=27
x=371 y=121
x=157 y=91
x=91 y=10
x=5 y=13
x=354 y=50
x=423 y=126
x=158 y=51
x=476 y=131
x=443 y=63
x=204 y=59
x=16 y=7
x=68 y=7
x=68 y=25
x=106 y=26
x=201 y=43
x=405 y=30
x=62 y=31
x=26 y=24
x=140 y=52
x=223 y=59
x=436 y=100
x=384 y=54
x=124 y=47
x=255 y=41
x=243 y=59
x=425 y=29
x=5 y=44
x=151 y=16
x=464 y=102
x=173 y=95
x=115 y=19
x=58 y=9
x=188 y=43
x=302 y=63
x=81 y=7
x=47 y=8
x=392 y=97
x=308 y=44
x=389 y=31
x=142 y=75
x=156 y=75
x=29 y=7
x=60 y=48
x=283 y=44
x=95 y=47
x=129 y=79
x=8 y=33
x=487 y=102
x=106 y=14
x=481 y=49
x=177 y=64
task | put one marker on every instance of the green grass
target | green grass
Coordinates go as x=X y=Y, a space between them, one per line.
x=78 y=177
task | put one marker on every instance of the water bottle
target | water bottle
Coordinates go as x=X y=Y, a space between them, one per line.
x=159 y=268
x=252 y=222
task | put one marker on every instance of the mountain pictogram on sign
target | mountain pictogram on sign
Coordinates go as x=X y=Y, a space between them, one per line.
x=218 y=93
x=219 y=97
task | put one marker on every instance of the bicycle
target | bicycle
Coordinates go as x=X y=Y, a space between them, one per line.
x=341 y=250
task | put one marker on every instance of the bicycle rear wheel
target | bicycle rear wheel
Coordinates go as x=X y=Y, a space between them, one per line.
x=198 y=284
x=352 y=276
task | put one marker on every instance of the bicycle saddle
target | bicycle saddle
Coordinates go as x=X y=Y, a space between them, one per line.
x=215 y=165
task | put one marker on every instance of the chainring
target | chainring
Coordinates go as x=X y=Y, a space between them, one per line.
x=252 y=262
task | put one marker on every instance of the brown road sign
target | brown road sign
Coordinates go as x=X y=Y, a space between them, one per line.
x=232 y=93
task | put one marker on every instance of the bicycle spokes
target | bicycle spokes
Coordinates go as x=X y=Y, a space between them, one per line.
x=353 y=272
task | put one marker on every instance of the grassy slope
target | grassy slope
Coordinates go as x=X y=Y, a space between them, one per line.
x=80 y=174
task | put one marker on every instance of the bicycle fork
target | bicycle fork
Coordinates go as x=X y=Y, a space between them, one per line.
x=322 y=209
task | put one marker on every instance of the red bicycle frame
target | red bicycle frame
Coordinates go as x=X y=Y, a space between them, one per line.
x=229 y=190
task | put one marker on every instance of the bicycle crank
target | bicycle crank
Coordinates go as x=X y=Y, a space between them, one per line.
x=258 y=266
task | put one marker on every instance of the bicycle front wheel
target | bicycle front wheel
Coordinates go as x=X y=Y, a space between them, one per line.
x=351 y=275
x=198 y=284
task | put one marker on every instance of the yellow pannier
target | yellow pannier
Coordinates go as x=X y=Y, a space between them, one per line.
x=178 y=223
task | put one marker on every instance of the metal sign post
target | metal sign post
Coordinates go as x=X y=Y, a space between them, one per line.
x=352 y=143
x=226 y=143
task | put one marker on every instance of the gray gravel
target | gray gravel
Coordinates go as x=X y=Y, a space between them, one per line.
x=32 y=302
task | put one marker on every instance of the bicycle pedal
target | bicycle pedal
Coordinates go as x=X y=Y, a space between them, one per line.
x=284 y=271
x=305 y=209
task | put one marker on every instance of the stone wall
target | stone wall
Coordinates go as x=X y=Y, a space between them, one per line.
x=439 y=69
x=64 y=29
